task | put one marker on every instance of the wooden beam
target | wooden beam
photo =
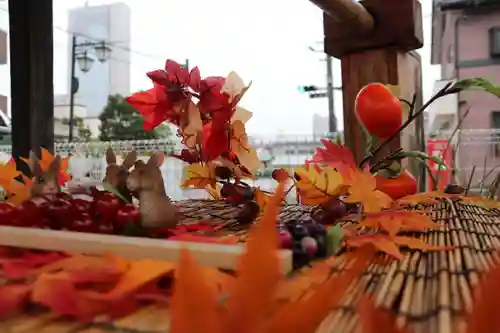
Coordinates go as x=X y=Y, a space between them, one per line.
x=348 y=13
x=209 y=255
x=31 y=65
x=377 y=56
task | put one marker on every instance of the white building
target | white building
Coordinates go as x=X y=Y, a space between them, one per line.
x=111 y=24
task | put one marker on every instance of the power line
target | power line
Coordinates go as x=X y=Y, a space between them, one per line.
x=114 y=44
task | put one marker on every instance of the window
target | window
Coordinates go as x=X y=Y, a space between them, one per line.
x=495 y=126
x=495 y=42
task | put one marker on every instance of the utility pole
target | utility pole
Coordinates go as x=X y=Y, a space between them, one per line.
x=332 y=120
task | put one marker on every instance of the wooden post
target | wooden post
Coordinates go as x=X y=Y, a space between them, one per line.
x=31 y=64
x=374 y=53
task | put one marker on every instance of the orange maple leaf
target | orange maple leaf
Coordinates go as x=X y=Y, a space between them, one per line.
x=484 y=316
x=8 y=172
x=363 y=190
x=375 y=320
x=395 y=221
x=337 y=156
x=19 y=192
x=307 y=313
x=481 y=202
x=425 y=198
x=192 y=295
x=390 y=245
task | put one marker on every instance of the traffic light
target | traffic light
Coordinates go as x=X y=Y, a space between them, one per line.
x=304 y=89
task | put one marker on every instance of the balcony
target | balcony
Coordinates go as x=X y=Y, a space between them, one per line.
x=443 y=113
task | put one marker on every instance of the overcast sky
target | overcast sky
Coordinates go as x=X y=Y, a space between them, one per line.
x=264 y=41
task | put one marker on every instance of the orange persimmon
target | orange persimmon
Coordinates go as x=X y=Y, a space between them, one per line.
x=403 y=185
x=379 y=110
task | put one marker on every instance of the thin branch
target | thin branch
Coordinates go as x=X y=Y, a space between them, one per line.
x=484 y=174
x=470 y=180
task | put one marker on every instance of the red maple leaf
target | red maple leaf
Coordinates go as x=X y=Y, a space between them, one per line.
x=176 y=76
x=154 y=105
x=335 y=155
x=215 y=140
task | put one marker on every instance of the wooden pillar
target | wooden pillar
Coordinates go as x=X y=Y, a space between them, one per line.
x=380 y=54
x=31 y=66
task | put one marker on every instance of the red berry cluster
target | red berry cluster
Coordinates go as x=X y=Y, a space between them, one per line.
x=102 y=212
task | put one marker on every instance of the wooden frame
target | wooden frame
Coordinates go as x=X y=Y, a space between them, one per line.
x=209 y=255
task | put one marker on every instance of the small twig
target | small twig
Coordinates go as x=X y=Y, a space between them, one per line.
x=439 y=94
x=470 y=180
x=484 y=173
x=391 y=157
x=433 y=179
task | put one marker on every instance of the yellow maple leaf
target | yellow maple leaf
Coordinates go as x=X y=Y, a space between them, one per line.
x=214 y=192
x=262 y=198
x=317 y=185
x=199 y=176
x=247 y=155
x=363 y=190
x=194 y=125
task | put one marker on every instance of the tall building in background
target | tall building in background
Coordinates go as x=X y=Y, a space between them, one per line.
x=111 y=24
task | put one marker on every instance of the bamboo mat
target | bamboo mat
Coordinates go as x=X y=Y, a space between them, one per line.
x=427 y=291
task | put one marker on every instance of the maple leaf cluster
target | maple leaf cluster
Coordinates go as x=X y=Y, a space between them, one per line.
x=210 y=122
x=332 y=177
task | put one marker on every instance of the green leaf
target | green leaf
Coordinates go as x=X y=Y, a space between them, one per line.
x=334 y=239
x=108 y=188
x=475 y=83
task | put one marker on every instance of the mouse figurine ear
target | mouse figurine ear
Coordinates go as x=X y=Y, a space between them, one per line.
x=36 y=169
x=157 y=159
x=130 y=159
x=55 y=165
x=110 y=156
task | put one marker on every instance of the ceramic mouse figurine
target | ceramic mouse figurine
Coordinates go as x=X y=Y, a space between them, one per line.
x=45 y=182
x=155 y=206
x=116 y=175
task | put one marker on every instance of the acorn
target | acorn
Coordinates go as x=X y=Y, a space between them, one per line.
x=223 y=172
x=248 y=213
x=454 y=189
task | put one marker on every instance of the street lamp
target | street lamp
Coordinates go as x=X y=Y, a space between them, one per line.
x=80 y=56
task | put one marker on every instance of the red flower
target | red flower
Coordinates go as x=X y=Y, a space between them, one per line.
x=154 y=105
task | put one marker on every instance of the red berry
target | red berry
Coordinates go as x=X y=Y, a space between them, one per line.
x=60 y=212
x=106 y=205
x=285 y=239
x=126 y=214
x=83 y=223
x=309 y=245
x=7 y=214
x=81 y=205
